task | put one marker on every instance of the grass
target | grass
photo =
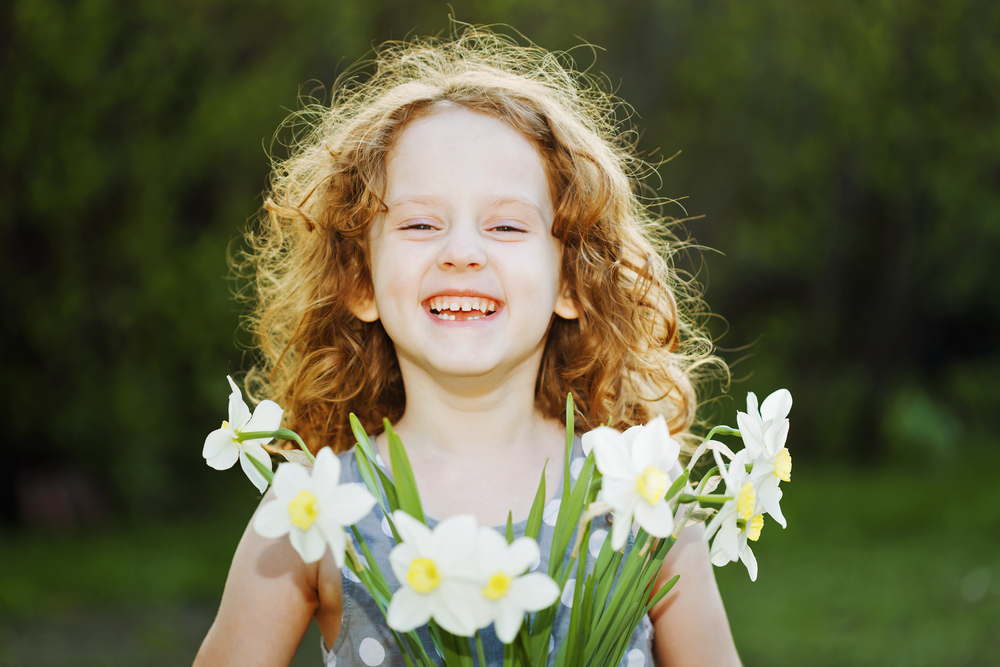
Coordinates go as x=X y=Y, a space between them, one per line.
x=882 y=567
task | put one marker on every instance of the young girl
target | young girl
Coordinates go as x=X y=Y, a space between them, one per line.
x=456 y=244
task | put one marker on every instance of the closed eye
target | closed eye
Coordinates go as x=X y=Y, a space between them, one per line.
x=419 y=226
x=508 y=228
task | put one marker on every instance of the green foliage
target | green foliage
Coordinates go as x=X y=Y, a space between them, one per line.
x=844 y=155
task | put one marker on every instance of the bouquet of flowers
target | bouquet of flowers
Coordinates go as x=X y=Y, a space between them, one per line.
x=459 y=578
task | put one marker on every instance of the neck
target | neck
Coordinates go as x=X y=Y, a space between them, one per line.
x=471 y=416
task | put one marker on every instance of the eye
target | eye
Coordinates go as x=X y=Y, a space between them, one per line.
x=418 y=225
x=502 y=227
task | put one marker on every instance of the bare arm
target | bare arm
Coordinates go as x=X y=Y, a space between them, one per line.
x=690 y=624
x=269 y=599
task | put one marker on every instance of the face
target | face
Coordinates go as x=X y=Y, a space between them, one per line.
x=464 y=264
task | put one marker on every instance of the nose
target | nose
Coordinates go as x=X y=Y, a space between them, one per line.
x=463 y=249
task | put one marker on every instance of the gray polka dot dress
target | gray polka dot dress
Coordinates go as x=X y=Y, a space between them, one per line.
x=364 y=637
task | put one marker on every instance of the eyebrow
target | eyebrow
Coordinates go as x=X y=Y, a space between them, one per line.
x=433 y=200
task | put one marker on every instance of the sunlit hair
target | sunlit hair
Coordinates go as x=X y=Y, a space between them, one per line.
x=635 y=351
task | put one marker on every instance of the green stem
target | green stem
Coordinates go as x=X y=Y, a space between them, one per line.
x=280 y=434
x=711 y=499
x=479 y=650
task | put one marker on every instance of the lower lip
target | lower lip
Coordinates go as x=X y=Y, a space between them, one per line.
x=482 y=321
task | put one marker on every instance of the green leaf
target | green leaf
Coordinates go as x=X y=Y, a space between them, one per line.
x=406 y=485
x=362 y=437
x=537 y=508
x=570 y=434
x=569 y=516
x=389 y=488
x=510 y=527
x=266 y=472
x=677 y=485
x=368 y=476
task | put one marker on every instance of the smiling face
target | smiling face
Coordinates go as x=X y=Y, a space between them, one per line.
x=465 y=269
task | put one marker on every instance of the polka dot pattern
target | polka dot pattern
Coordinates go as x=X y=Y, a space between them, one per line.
x=635 y=658
x=567 y=593
x=576 y=467
x=385 y=527
x=371 y=652
x=349 y=573
x=551 y=512
x=596 y=542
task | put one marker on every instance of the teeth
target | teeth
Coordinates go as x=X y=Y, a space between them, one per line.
x=441 y=304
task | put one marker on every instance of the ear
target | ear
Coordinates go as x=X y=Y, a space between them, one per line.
x=566 y=307
x=364 y=309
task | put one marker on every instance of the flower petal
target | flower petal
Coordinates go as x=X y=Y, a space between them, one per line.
x=326 y=471
x=400 y=558
x=459 y=608
x=266 y=417
x=657 y=520
x=454 y=538
x=412 y=531
x=621 y=494
x=289 y=480
x=491 y=553
x=272 y=519
x=769 y=497
x=225 y=459
x=750 y=432
x=309 y=543
x=239 y=413
x=620 y=530
x=534 y=591
x=752 y=406
x=648 y=447
x=251 y=471
x=335 y=537
x=347 y=503
x=776 y=406
x=611 y=455
x=408 y=610
x=775 y=436
x=520 y=556
x=746 y=555
x=507 y=620
x=216 y=441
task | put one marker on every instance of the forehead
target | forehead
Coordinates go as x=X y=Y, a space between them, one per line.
x=464 y=157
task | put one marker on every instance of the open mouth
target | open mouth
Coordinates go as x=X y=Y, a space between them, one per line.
x=462 y=308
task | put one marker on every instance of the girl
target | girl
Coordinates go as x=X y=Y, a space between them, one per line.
x=456 y=244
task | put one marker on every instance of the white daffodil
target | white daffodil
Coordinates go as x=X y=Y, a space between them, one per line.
x=313 y=510
x=223 y=447
x=635 y=466
x=738 y=520
x=764 y=434
x=438 y=575
x=510 y=592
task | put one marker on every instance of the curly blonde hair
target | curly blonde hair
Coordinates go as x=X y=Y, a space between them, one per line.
x=636 y=348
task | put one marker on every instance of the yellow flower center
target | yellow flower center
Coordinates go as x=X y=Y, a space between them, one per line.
x=753 y=532
x=783 y=465
x=423 y=575
x=302 y=510
x=746 y=501
x=652 y=485
x=497 y=588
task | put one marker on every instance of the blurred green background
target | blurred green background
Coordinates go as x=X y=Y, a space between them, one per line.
x=843 y=159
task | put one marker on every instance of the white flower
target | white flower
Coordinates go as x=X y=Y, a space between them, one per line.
x=222 y=446
x=438 y=576
x=313 y=510
x=635 y=466
x=510 y=592
x=764 y=434
x=738 y=520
